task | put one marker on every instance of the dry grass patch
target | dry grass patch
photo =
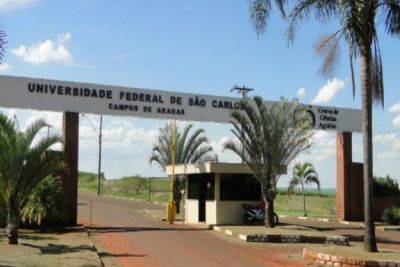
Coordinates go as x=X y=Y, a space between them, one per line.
x=72 y=248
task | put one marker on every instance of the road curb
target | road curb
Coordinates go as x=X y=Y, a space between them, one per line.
x=333 y=260
x=285 y=238
x=135 y=199
x=93 y=246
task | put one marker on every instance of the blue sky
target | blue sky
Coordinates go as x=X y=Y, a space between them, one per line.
x=186 y=46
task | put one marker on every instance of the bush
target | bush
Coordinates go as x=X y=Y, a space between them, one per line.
x=87 y=177
x=3 y=213
x=385 y=186
x=45 y=204
x=391 y=215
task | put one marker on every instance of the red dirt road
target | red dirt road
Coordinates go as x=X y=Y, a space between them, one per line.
x=130 y=237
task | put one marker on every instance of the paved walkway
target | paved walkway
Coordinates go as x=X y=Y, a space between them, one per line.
x=353 y=230
x=121 y=238
x=311 y=227
x=126 y=236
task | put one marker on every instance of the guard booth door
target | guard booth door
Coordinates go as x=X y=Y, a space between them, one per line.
x=201 y=187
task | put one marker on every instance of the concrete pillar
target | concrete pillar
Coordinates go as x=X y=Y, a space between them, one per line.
x=70 y=136
x=343 y=172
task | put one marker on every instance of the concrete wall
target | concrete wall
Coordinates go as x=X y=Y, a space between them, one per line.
x=350 y=185
x=211 y=212
x=231 y=212
x=192 y=211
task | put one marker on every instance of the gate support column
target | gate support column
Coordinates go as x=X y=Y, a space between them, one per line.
x=70 y=136
x=349 y=181
x=343 y=172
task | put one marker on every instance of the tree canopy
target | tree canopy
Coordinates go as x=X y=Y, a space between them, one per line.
x=268 y=138
x=25 y=160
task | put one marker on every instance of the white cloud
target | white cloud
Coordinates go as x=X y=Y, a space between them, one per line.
x=395 y=108
x=328 y=91
x=391 y=152
x=118 y=134
x=46 y=51
x=396 y=121
x=5 y=67
x=301 y=92
x=224 y=155
x=384 y=138
x=15 y=4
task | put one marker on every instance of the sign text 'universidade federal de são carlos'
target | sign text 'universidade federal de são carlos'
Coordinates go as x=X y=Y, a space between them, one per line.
x=61 y=96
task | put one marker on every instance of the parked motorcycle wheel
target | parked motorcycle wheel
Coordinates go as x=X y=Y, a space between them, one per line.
x=247 y=219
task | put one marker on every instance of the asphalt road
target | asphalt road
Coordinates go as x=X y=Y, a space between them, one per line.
x=127 y=236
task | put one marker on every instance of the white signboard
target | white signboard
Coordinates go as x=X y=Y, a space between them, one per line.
x=53 y=95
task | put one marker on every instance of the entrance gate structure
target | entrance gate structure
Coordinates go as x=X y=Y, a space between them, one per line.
x=73 y=98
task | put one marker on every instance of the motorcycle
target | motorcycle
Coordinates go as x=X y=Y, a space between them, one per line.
x=256 y=214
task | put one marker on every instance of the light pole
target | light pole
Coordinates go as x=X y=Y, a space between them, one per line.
x=48 y=129
x=100 y=136
x=243 y=91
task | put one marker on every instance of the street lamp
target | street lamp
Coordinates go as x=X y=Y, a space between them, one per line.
x=48 y=129
x=100 y=136
x=243 y=91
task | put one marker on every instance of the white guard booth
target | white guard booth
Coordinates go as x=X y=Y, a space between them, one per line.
x=215 y=192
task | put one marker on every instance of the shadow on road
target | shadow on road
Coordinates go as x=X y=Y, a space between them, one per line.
x=110 y=229
x=59 y=249
x=35 y=237
x=360 y=238
x=115 y=255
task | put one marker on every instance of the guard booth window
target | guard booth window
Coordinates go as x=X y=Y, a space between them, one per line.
x=199 y=184
x=239 y=187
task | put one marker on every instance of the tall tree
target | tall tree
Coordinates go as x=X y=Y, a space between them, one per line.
x=189 y=149
x=303 y=173
x=269 y=137
x=260 y=11
x=358 y=28
x=24 y=162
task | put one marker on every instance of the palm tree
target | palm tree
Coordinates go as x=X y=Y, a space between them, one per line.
x=303 y=173
x=189 y=149
x=269 y=138
x=45 y=204
x=260 y=12
x=358 y=28
x=24 y=162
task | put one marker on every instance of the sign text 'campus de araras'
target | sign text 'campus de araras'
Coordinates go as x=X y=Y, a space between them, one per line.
x=53 y=95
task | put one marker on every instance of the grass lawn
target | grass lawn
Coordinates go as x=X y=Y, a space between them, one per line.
x=136 y=187
x=323 y=206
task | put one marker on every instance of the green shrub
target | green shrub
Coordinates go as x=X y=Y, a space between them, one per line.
x=45 y=204
x=128 y=185
x=3 y=214
x=385 y=186
x=391 y=215
x=87 y=177
x=3 y=209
